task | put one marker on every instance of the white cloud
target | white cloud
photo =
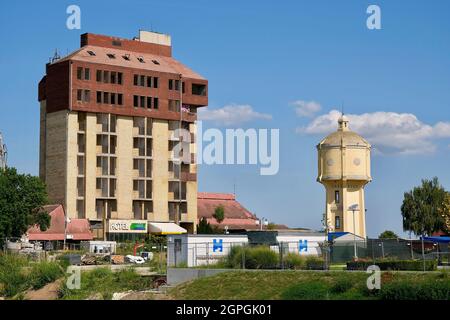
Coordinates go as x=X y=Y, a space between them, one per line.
x=388 y=132
x=306 y=108
x=232 y=114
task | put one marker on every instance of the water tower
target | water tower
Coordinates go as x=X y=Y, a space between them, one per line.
x=344 y=170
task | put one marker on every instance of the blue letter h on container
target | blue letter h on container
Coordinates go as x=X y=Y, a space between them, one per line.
x=302 y=245
x=217 y=245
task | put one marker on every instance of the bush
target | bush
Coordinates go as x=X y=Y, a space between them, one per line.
x=341 y=286
x=315 y=263
x=407 y=290
x=309 y=290
x=294 y=261
x=404 y=265
x=259 y=257
x=43 y=273
x=262 y=258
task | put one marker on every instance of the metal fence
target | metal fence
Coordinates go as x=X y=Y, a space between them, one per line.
x=318 y=255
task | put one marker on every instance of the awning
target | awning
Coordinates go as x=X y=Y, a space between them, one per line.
x=165 y=228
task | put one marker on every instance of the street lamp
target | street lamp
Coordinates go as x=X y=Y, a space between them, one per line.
x=354 y=208
x=261 y=222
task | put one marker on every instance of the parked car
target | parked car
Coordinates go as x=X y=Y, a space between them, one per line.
x=135 y=259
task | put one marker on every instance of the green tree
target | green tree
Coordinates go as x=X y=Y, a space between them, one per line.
x=444 y=211
x=219 y=214
x=421 y=208
x=21 y=200
x=388 y=234
x=204 y=227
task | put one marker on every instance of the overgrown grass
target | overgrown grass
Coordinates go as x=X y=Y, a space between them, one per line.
x=18 y=274
x=43 y=273
x=13 y=275
x=103 y=282
x=313 y=285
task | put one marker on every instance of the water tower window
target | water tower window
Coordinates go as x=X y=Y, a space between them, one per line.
x=337 y=223
x=337 y=196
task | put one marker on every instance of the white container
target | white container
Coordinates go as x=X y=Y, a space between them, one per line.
x=193 y=250
x=301 y=243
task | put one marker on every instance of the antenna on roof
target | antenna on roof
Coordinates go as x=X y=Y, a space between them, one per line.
x=56 y=56
x=234 y=188
x=342 y=108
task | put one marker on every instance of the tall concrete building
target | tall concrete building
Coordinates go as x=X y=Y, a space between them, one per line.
x=344 y=170
x=109 y=133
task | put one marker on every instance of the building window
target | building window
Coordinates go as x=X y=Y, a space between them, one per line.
x=135 y=81
x=119 y=77
x=170 y=84
x=79 y=73
x=113 y=77
x=149 y=82
x=119 y=99
x=87 y=74
x=199 y=89
x=155 y=103
x=135 y=101
x=105 y=76
x=149 y=102
x=155 y=62
x=337 y=222
x=142 y=81
x=337 y=198
x=83 y=95
x=111 y=55
x=87 y=96
x=91 y=53
x=141 y=59
x=99 y=76
x=80 y=209
x=174 y=105
x=99 y=97
x=106 y=97
x=142 y=100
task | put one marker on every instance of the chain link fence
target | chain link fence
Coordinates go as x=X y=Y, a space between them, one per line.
x=292 y=255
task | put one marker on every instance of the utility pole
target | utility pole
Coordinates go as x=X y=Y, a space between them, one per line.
x=3 y=153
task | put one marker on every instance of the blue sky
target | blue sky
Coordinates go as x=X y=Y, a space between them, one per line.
x=275 y=58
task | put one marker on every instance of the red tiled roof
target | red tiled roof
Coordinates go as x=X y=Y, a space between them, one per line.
x=165 y=64
x=78 y=228
x=236 y=216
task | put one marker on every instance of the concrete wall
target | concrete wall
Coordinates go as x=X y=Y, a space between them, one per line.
x=176 y=276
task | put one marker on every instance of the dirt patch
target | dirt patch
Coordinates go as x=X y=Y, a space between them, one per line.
x=48 y=292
